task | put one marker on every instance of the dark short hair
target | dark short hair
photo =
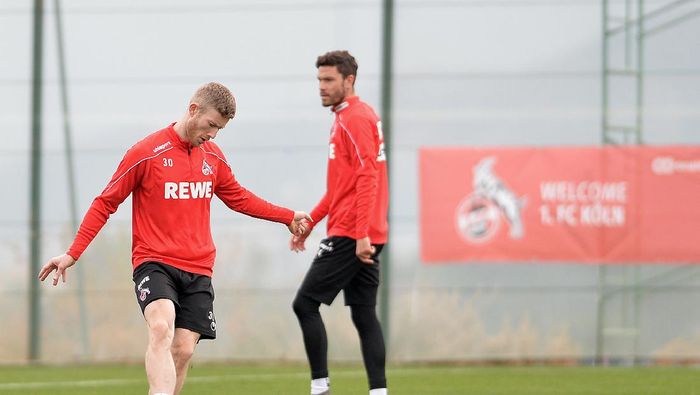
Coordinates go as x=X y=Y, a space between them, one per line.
x=346 y=63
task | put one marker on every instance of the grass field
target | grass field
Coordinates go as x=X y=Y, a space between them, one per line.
x=414 y=380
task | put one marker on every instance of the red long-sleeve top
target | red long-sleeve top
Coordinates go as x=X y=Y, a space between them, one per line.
x=357 y=192
x=172 y=184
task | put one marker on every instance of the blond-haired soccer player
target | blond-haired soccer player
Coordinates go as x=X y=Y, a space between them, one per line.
x=173 y=175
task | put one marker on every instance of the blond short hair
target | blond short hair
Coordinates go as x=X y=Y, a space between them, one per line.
x=216 y=95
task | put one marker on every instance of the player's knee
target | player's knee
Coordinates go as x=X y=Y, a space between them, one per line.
x=298 y=306
x=363 y=316
x=304 y=306
x=182 y=353
x=160 y=333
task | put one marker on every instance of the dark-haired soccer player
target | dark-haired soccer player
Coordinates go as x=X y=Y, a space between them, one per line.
x=356 y=203
x=173 y=175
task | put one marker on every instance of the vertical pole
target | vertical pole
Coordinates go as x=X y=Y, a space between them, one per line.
x=640 y=70
x=604 y=74
x=628 y=35
x=35 y=187
x=640 y=118
x=386 y=92
x=70 y=171
x=600 y=318
x=636 y=316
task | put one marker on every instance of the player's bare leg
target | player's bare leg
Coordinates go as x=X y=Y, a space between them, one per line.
x=182 y=349
x=160 y=368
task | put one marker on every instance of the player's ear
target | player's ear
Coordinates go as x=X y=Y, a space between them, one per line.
x=350 y=80
x=192 y=109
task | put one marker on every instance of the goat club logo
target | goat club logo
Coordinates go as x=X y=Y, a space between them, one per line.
x=143 y=291
x=206 y=168
x=479 y=215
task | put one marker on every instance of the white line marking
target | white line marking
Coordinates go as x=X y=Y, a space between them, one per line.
x=191 y=379
x=206 y=379
x=64 y=384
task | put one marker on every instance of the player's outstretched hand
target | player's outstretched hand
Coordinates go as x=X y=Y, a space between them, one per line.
x=59 y=264
x=300 y=223
x=297 y=242
x=364 y=250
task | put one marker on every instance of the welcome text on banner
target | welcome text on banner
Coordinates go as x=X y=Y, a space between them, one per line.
x=578 y=204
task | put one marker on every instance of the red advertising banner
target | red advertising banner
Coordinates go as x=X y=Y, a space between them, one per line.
x=583 y=204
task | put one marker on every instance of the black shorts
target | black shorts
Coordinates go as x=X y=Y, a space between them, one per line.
x=336 y=267
x=192 y=294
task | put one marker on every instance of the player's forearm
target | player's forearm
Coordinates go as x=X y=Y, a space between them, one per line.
x=321 y=210
x=249 y=204
x=95 y=218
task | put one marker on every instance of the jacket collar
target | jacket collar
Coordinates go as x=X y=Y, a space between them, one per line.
x=349 y=101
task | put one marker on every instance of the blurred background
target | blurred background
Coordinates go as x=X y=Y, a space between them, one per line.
x=470 y=73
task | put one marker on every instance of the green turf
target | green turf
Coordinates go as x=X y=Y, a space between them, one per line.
x=413 y=380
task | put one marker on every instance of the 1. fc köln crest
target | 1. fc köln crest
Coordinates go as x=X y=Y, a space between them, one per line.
x=206 y=168
x=143 y=291
x=478 y=216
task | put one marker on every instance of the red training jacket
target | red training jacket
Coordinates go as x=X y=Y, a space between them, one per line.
x=357 y=191
x=172 y=183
